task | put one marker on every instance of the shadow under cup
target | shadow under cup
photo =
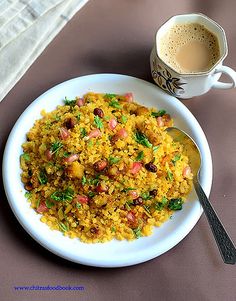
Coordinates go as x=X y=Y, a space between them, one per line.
x=187 y=85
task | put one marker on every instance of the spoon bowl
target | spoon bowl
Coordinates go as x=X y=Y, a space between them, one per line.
x=225 y=244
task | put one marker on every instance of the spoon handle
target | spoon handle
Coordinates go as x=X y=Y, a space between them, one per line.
x=225 y=244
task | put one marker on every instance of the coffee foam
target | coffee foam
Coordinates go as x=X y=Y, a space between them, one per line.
x=182 y=34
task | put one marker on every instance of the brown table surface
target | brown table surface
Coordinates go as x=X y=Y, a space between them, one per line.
x=117 y=36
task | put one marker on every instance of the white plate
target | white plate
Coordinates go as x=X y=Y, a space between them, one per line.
x=114 y=253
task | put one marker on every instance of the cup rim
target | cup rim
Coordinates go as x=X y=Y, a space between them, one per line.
x=201 y=73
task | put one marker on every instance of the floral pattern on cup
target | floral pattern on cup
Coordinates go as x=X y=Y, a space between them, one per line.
x=165 y=81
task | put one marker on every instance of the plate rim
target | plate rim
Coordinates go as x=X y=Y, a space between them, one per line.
x=50 y=247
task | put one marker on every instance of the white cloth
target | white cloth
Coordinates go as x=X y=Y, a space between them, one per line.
x=26 y=28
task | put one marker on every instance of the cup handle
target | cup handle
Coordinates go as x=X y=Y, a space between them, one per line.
x=231 y=73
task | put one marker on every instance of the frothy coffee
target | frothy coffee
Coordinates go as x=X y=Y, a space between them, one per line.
x=189 y=48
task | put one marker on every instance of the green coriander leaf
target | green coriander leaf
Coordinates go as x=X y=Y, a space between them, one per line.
x=145 y=196
x=59 y=167
x=124 y=119
x=160 y=205
x=69 y=102
x=176 y=158
x=113 y=160
x=78 y=205
x=83 y=132
x=170 y=175
x=113 y=229
x=155 y=148
x=98 y=122
x=63 y=196
x=164 y=200
x=137 y=232
x=37 y=204
x=127 y=206
x=128 y=189
x=115 y=104
x=55 y=147
x=78 y=116
x=62 y=227
x=94 y=181
x=90 y=143
x=142 y=139
x=56 y=117
x=28 y=194
x=49 y=204
x=66 y=154
x=140 y=156
x=91 y=194
x=69 y=192
x=159 y=113
x=42 y=177
x=57 y=196
x=110 y=96
x=175 y=204
x=84 y=180
x=147 y=208
x=26 y=156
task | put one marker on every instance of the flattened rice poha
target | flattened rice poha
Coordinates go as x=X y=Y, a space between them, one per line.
x=102 y=167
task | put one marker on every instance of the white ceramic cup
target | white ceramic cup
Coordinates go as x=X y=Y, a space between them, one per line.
x=193 y=84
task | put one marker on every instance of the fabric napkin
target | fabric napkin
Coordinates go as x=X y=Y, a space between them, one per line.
x=26 y=28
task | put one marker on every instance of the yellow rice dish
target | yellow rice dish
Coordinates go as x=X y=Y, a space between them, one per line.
x=102 y=167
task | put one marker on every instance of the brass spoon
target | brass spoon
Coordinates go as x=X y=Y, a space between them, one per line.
x=225 y=244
